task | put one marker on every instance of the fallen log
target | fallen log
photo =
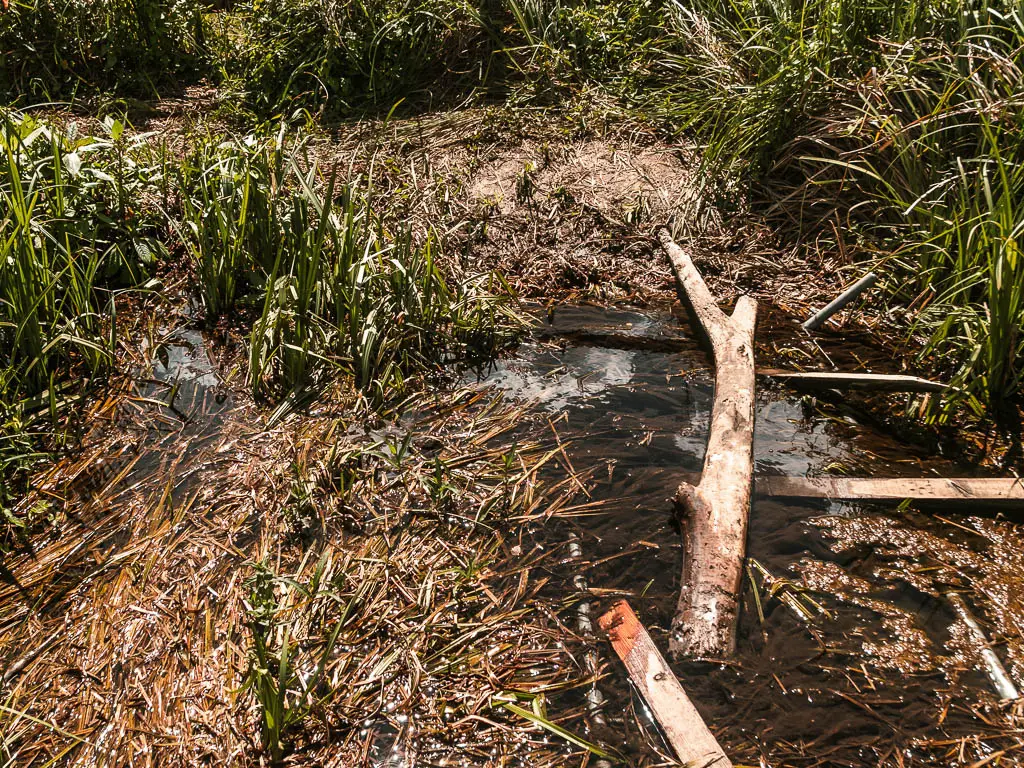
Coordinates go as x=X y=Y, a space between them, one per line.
x=714 y=512
x=993 y=490
x=682 y=725
x=875 y=382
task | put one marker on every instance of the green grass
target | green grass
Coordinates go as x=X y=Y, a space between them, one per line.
x=286 y=669
x=324 y=287
x=898 y=122
x=337 y=290
x=59 y=49
x=70 y=243
x=228 y=222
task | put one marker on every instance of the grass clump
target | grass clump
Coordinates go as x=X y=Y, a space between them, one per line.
x=286 y=667
x=898 y=123
x=312 y=53
x=229 y=224
x=936 y=149
x=334 y=289
x=346 y=57
x=70 y=243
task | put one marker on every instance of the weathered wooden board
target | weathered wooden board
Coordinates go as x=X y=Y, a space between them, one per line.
x=1009 y=490
x=683 y=726
x=873 y=382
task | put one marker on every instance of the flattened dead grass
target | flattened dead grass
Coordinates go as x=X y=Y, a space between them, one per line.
x=388 y=561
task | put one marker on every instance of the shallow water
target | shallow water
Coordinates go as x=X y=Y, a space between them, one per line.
x=177 y=413
x=882 y=681
x=868 y=686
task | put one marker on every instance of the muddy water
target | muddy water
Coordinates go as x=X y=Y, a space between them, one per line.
x=882 y=675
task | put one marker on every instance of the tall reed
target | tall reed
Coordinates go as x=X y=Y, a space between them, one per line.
x=337 y=292
x=901 y=121
x=71 y=240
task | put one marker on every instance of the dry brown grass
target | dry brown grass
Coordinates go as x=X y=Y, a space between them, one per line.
x=129 y=633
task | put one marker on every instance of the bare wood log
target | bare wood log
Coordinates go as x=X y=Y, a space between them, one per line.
x=875 y=382
x=714 y=512
x=684 y=729
x=996 y=490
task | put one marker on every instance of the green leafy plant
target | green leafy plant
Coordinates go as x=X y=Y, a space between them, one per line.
x=336 y=292
x=229 y=221
x=900 y=120
x=63 y=48
x=70 y=243
x=345 y=54
x=289 y=653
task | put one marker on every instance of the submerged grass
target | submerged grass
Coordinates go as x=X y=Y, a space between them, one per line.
x=392 y=612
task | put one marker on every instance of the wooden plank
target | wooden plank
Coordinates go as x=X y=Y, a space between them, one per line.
x=1002 y=490
x=874 y=382
x=713 y=514
x=694 y=744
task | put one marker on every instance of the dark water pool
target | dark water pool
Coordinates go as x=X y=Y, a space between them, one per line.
x=882 y=679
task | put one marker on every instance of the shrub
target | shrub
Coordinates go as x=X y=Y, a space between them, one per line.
x=900 y=120
x=345 y=54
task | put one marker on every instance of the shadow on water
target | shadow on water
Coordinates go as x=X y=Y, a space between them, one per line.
x=170 y=424
x=880 y=680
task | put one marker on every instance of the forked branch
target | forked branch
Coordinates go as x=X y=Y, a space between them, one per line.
x=714 y=512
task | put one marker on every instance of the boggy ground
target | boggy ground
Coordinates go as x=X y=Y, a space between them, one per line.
x=564 y=203
x=224 y=586
x=350 y=587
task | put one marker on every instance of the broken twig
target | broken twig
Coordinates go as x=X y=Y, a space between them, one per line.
x=846 y=297
x=993 y=667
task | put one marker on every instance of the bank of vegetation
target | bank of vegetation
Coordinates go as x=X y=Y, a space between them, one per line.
x=889 y=132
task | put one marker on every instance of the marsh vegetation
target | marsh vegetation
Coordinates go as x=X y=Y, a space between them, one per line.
x=256 y=256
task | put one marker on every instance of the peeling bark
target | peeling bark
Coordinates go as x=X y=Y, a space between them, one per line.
x=714 y=513
x=680 y=721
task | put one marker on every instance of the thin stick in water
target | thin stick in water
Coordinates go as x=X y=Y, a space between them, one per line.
x=846 y=297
